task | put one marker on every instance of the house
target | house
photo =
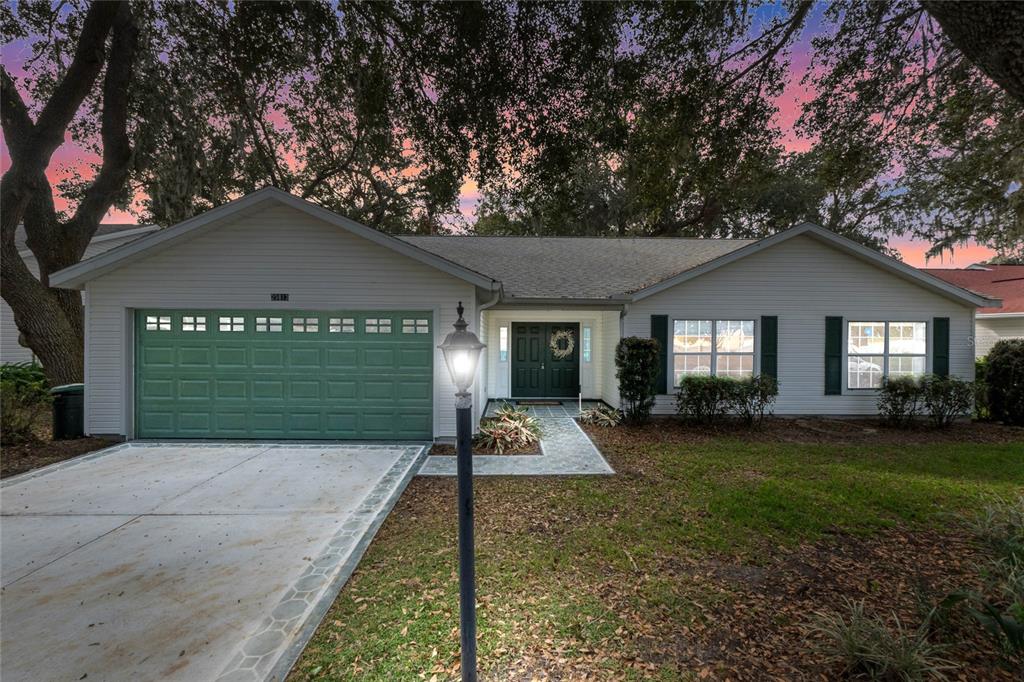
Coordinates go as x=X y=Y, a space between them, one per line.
x=271 y=317
x=107 y=237
x=1005 y=282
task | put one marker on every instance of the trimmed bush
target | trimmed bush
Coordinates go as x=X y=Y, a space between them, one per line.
x=899 y=400
x=981 y=410
x=1005 y=380
x=753 y=397
x=705 y=398
x=946 y=398
x=636 y=363
x=24 y=397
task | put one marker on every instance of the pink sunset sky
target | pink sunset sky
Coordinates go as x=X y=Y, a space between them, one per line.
x=70 y=156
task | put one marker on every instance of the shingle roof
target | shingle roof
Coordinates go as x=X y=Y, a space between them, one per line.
x=576 y=267
x=103 y=230
x=997 y=281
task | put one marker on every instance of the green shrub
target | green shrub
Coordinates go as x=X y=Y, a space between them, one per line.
x=636 y=362
x=24 y=397
x=899 y=400
x=601 y=416
x=981 y=409
x=866 y=647
x=946 y=398
x=1005 y=379
x=753 y=397
x=705 y=398
x=511 y=428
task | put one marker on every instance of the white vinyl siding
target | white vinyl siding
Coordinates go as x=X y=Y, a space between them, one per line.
x=238 y=265
x=803 y=281
x=989 y=330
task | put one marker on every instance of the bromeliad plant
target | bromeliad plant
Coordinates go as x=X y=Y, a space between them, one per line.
x=511 y=428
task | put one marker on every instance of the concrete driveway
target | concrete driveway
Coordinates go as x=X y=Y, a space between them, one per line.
x=190 y=562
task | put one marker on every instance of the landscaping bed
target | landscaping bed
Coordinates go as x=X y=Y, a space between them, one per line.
x=706 y=557
x=447 y=449
x=17 y=459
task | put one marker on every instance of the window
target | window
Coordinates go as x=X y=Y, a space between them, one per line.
x=503 y=344
x=586 y=344
x=191 y=323
x=343 y=325
x=720 y=347
x=269 y=324
x=879 y=349
x=378 y=325
x=305 y=324
x=161 y=324
x=231 y=324
x=417 y=326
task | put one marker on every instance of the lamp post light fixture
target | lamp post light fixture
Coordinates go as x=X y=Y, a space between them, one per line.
x=461 y=350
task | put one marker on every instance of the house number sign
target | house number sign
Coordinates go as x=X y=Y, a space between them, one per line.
x=279 y=297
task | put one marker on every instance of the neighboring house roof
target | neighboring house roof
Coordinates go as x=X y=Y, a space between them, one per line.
x=1005 y=282
x=105 y=232
x=577 y=267
x=536 y=269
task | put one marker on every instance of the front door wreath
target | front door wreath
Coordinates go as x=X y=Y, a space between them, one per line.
x=562 y=344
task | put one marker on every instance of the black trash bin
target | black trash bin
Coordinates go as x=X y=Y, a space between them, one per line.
x=68 y=411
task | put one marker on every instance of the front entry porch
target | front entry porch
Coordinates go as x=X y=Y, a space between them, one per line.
x=549 y=354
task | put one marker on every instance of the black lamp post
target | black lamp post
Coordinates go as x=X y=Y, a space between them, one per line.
x=461 y=351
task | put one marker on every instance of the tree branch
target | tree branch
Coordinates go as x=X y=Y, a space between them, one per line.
x=794 y=24
x=117 y=150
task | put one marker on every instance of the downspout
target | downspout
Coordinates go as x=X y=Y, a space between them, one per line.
x=480 y=323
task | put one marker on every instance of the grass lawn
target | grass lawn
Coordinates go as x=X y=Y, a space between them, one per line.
x=703 y=558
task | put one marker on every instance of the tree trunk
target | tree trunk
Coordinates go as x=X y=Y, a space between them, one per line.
x=51 y=321
x=991 y=36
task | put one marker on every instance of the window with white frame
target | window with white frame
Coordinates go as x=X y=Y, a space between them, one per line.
x=713 y=347
x=503 y=344
x=879 y=349
x=193 y=323
x=376 y=325
x=158 y=323
x=302 y=325
x=231 y=324
x=415 y=326
x=269 y=324
x=342 y=325
x=585 y=351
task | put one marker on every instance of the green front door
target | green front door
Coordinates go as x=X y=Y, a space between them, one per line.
x=538 y=371
x=284 y=374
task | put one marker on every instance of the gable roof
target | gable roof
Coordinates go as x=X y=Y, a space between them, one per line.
x=1005 y=282
x=527 y=269
x=80 y=273
x=602 y=268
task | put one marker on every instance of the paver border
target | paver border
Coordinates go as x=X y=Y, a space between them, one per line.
x=281 y=665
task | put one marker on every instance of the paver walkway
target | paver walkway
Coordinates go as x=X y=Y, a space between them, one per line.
x=566 y=451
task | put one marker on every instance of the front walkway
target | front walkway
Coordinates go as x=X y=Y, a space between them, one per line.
x=566 y=450
x=185 y=561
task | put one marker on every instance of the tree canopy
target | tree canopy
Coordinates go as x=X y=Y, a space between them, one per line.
x=572 y=118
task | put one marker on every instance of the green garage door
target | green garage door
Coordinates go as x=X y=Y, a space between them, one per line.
x=284 y=374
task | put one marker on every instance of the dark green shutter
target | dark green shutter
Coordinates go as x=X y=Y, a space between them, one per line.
x=833 y=355
x=770 y=346
x=659 y=331
x=940 y=346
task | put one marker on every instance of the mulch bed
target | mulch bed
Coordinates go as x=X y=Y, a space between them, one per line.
x=17 y=459
x=810 y=430
x=449 y=450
